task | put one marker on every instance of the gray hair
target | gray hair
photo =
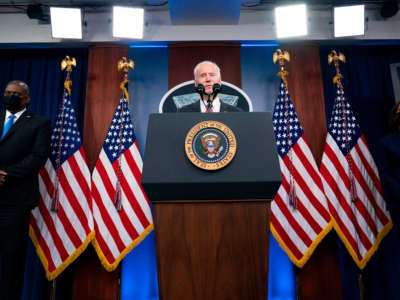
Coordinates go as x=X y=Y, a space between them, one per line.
x=196 y=68
x=21 y=83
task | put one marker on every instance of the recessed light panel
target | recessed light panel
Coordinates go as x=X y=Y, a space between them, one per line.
x=66 y=23
x=291 y=21
x=128 y=22
x=349 y=20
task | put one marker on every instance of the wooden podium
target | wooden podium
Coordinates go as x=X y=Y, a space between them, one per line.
x=211 y=227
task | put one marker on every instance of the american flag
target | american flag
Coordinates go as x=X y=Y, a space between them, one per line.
x=121 y=209
x=60 y=235
x=299 y=213
x=352 y=185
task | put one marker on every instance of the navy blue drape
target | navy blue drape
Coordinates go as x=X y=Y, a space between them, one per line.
x=41 y=70
x=368 y=87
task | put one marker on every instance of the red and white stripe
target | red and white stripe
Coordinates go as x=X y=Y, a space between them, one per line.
x=118 y=232
x=363 y=223
x=61 y=236
x=300 y=229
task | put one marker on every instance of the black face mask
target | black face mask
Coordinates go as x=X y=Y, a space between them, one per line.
x=12 y=103
x=398 y=119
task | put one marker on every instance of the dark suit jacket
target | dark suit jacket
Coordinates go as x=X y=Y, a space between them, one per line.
x=195 y=107
x=23 y=152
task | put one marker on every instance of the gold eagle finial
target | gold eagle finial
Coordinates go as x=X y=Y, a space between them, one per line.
x=282 y=56
x=123 y=65
x=68 y=63
x=335 y=58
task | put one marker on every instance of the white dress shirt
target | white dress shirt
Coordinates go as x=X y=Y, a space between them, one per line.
x=17 y=115
x=216 y=105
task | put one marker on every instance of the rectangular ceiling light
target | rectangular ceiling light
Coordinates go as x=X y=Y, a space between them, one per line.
x=66 y=23
x=128 y=22
x=291 y=20
x=349 y=20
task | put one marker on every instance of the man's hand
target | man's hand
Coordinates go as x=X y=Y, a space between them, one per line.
x=2 y=177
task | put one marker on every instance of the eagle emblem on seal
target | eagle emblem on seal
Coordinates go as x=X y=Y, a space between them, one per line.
x=210 y=144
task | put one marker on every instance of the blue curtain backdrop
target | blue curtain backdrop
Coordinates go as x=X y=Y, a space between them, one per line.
x=40 y=69
x=368 y=87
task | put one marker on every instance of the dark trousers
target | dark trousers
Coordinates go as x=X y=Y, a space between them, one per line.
x=14 y=228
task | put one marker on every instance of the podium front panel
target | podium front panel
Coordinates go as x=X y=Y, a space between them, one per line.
x=253 y=173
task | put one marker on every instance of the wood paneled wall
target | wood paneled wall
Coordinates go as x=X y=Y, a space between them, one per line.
x=184 y=57
x=320 y=278
x=306 y=91
x=102 y=96
x=91 y=281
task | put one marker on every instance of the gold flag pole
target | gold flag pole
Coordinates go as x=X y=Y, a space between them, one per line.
x=53 y=290
x=66 y=64
x=123 y=65
x=335 y=58
x=281 y=56
x=337 y=79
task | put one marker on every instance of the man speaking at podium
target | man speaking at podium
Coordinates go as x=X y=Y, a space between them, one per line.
x=24 y=148
x=207 y=78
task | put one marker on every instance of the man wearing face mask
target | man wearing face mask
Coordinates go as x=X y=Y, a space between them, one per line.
x=24 y=148
x=207 y=77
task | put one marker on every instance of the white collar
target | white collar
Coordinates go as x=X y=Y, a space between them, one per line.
x=17 y=115
x=216 y=103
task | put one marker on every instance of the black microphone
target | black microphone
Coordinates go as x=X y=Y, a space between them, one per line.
x=216 y=89
x=200 y=89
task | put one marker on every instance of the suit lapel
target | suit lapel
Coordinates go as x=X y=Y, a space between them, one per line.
x=25 y=117
x=2 y=117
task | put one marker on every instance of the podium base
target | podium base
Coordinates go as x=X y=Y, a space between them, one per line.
x=210 y=250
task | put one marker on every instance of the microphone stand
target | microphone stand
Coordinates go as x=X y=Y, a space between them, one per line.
x=208 y=102
x=216 y=90
x=201 y=90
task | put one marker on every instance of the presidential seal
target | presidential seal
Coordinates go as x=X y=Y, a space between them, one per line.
x=210 y=145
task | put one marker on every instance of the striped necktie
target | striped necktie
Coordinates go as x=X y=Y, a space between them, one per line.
x=7 y=126
x=209 y=106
